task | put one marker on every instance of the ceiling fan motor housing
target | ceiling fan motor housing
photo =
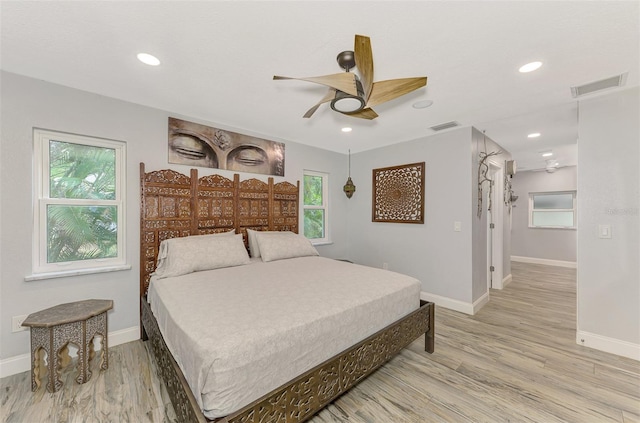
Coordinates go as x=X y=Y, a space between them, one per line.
x=346 y=60
x=347 y=103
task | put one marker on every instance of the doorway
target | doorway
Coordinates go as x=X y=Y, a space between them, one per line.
x=495 y=227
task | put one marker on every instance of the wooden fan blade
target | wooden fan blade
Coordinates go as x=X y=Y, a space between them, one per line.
x=364 y=62
x=384 y=91
x=328 y=97
x=344 y=81
x=365 y=113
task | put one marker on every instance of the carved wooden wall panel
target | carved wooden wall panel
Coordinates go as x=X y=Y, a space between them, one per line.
x=216 y=209
x=253 y=206
x=398 y=194
x=285 y=206
x=165 y=212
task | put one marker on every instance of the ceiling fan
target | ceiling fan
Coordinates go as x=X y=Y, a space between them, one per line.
x=551 y=166
x=355 y=96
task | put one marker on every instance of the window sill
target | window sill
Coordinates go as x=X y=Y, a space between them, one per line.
x=554 y=227
x=315 y=244
x=76 y=272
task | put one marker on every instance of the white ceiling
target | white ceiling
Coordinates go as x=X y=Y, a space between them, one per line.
x=218 y=59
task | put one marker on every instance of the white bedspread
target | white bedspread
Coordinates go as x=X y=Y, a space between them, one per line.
x=239 y=332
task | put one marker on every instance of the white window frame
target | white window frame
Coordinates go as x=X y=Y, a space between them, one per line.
x=42 y=269
x=324 y=206
x=573 y=209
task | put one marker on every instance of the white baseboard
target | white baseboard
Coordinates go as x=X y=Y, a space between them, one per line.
x=501 y=284
x=610 y=345
x=14 y=365
x=560 y=263
x=507 y=280
x=456 y=305
x=480 y=302
x=22 y=363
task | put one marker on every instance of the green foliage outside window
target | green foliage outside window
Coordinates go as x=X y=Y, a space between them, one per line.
x=312 y=190
x=83 y=175
x=314 y=221
x=314 y=224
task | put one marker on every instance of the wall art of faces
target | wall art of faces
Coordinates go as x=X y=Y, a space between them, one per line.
x=194 y=144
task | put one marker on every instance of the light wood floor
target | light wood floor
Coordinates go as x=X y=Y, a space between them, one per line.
x=514 y=361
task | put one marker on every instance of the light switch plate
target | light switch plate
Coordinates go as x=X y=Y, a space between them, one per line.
x=604 y=231
x=457 y=226
x=16 y=323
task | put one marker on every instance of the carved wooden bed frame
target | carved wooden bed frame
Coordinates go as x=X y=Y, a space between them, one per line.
x=175 y=205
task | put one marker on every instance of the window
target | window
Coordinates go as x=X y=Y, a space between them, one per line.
x=315 y=206
x=552 y=210
x=79 y=223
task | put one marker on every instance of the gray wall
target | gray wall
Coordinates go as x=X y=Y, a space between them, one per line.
x=443 y=260
x=541 y=243
x=609 y=193
x=27 y=103
x=433 y=253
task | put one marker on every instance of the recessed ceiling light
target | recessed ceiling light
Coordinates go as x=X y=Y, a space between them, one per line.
x=534 y=135
x=548 y=154
x=530 y=67
x=423 y=104
x=346 y=129
x=148 y=59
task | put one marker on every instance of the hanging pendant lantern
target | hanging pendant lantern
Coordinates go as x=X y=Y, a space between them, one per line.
x=349 y=188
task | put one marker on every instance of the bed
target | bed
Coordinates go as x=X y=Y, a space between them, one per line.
x=296 y=354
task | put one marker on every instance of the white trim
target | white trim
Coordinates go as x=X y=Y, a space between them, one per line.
x=506 y=281
x=560 y=263
x=573 y=210
x=14 y=365
x=78 y=272
x=497 y=235
x=502 y=283
x=610 y=345
x=22 y=363
x=324 y=207
x=479 y=303
x=41 y=200
x=456 y=305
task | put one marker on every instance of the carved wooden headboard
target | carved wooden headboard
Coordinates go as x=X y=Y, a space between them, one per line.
x=174 y=205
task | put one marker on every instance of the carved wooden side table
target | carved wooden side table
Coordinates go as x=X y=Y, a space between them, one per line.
x=54 y=328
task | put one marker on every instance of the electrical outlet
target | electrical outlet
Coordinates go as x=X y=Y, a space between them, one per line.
x=385 y=266
x=16 y=323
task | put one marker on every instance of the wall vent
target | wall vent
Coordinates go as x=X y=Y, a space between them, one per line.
x=603 y=84
x=444 y=126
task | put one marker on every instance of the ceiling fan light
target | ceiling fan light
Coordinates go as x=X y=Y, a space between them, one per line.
x=347 y=104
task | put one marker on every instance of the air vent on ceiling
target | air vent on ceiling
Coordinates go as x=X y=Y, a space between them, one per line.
x=444 y=126
x=603 y=84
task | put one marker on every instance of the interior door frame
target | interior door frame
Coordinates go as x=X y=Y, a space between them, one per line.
x=495 y=238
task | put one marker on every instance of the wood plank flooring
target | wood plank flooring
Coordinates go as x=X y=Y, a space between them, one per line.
x=514 y=361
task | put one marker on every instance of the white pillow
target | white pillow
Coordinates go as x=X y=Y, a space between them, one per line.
x=162 y=251
x=283 y=246
x=201 y=252
x=254 y=247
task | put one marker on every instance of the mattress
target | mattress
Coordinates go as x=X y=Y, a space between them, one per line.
x=238 y=333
